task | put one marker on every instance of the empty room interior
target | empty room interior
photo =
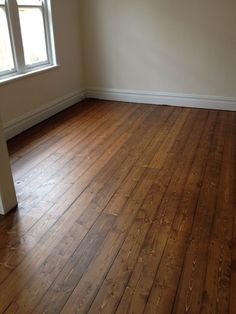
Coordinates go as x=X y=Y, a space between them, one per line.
x=117 y=156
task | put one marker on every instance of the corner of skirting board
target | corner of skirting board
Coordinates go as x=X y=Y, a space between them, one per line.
x=160 y=98
x=26 y=121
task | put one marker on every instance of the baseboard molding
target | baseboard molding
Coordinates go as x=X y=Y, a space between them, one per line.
x=170 y=99
x=24 y=122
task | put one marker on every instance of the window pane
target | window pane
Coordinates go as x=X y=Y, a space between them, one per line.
x=2 y=2
x=33 y=35
x=6 y=58
x=29 y=2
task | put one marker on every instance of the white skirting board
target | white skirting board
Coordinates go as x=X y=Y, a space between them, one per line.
x=30 y=119
x=161 y=98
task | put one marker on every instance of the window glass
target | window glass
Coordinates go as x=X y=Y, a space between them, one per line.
x=26 y=37
x=33 y=35
x=29 y=2
x=6 y=57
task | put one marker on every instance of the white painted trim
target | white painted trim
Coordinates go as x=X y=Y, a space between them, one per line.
x=16 y=76
x=8 y=199
x=25 y=121
x=161 y=98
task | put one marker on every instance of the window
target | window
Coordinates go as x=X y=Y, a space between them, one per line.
x=26 y=37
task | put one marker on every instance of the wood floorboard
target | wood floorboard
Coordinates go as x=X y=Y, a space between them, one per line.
x=190 y=291
x=59 y=207
x=169 y=269
x=80 y=161
x=123 y=208
x=63 y=158
x=138 y=288
x=47 y=128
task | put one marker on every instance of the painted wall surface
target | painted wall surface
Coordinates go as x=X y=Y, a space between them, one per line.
x=184 y=46
x=23 y=96
x=7 y=191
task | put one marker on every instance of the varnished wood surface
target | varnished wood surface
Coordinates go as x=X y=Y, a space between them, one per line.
x=123 y=208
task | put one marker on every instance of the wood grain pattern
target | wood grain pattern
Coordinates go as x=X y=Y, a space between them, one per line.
x=123 y=208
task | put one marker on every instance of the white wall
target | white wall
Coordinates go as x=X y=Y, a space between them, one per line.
x=7 y=190
x=183 y=46
x=22 y=97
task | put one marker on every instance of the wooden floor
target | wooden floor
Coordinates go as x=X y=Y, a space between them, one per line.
x=123 y=208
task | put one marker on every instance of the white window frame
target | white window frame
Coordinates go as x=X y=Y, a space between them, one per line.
x=20 y=68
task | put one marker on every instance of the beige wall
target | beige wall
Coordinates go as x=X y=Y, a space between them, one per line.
x=23 y=96
x=184 y=46
x=7 y=191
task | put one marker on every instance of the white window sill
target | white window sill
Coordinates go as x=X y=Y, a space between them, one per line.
x=17 y=76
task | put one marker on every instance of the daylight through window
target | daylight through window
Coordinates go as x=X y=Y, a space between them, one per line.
x=26 y=37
